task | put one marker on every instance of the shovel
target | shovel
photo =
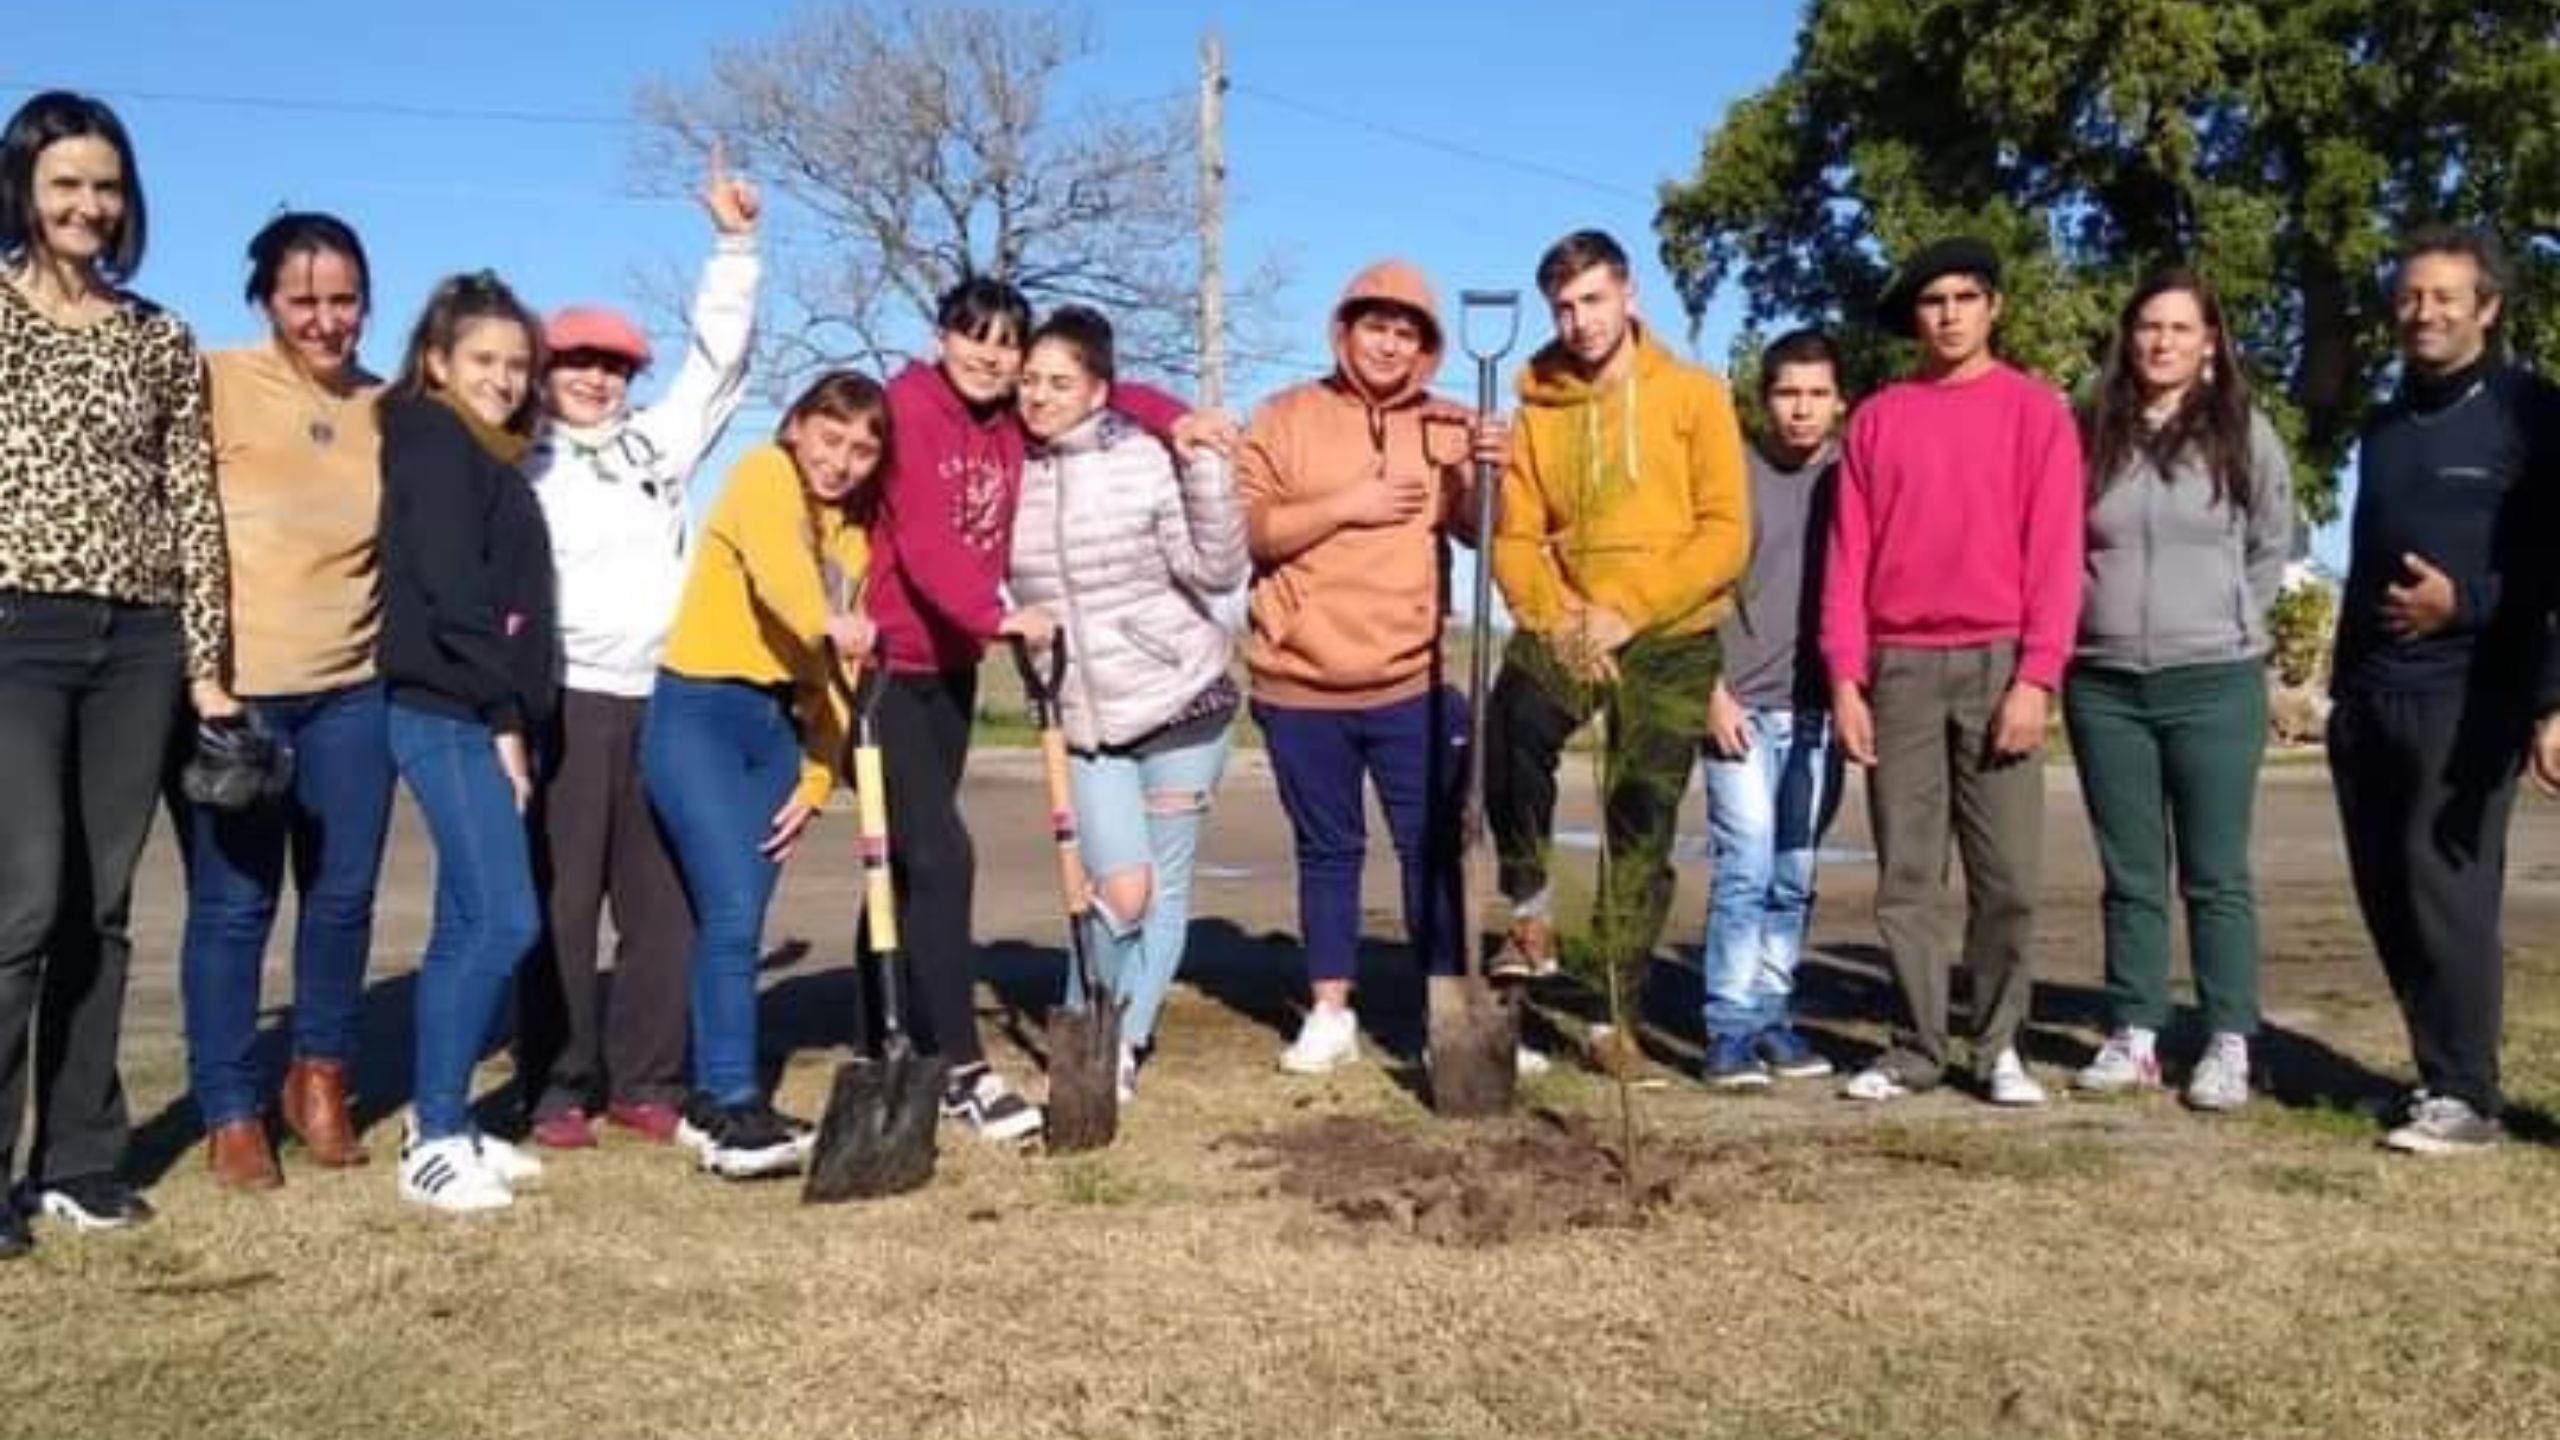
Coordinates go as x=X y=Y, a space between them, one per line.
x=877 y=1135
x=1472 y=1052
x=1083 y=1041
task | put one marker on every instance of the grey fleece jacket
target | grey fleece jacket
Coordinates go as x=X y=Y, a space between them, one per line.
x=2172 y=577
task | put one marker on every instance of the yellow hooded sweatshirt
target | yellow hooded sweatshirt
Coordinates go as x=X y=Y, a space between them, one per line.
x=1629 y=494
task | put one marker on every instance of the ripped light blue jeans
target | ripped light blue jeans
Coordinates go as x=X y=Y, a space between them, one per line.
x=1143 y=814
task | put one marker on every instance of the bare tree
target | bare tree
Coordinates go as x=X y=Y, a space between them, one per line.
x=913 y=147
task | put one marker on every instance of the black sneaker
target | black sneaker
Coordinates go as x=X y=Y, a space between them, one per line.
x=87 y=1202
x=15 y=1239
x=979 y=1098
x=742 y=1142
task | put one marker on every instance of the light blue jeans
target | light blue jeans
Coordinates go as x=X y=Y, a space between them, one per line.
x=1765 y=816
x=1142 y=813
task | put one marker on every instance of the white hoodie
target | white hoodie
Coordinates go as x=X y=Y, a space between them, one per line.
x=614 y=496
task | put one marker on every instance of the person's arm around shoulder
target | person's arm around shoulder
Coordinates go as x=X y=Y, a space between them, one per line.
x=1198 y=525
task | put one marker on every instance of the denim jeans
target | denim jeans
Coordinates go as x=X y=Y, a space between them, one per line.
x=1414 y=751
x=88 y=691
x=486 y=918
x=719 y=758
x=331 y=828
x=1143 y=813
x=1765 y=816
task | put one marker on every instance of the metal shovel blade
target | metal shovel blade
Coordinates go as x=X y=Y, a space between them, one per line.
x=876 y=1138
x=1084 y=1075
x=1472 y=1053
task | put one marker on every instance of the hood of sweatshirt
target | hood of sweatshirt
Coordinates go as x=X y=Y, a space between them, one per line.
x=1399 y=283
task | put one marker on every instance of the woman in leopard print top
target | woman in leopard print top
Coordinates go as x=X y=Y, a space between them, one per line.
x=112 y=602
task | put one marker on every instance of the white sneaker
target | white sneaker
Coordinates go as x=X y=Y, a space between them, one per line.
x=2011 y=1085
x=450 y=1175
x=510 y=1162
x=1329 y=1040
x=1528 y=1064
x=2221 y=1079
x=1874 y=1085
x=2130 y=1060
x=1128 y=1085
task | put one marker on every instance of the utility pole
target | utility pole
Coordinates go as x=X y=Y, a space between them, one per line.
x=1213 y=219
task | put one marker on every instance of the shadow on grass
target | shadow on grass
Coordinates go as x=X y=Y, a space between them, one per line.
x=384 y=1081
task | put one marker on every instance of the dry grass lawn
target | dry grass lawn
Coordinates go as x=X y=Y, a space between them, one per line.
x=1809 y=1270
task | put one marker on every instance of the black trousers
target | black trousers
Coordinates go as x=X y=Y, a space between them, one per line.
x=923 y=724
x=2425 y=784
x=597 y=838
x=89 y=692
x=1657 y=717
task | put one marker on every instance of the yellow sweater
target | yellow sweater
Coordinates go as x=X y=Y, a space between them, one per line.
x=1629 y=494
x=755 y=605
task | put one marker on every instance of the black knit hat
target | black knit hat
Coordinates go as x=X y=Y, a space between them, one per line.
x=1955 y=255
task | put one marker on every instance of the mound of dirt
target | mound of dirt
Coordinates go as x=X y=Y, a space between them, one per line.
x=1488 y=1185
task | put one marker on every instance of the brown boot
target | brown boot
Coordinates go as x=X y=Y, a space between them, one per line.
x=315 y=1110
x=240 y=1156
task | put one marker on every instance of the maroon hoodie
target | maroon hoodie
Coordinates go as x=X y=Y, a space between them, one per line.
x=945 y=525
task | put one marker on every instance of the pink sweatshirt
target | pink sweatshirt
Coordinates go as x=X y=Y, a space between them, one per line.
x=1959 y=522
x=945 y=525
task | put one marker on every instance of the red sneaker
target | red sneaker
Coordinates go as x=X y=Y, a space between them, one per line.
x=565 y=1130
x=647 y=1119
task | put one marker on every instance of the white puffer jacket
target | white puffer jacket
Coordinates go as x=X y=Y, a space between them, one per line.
x=1127 y=552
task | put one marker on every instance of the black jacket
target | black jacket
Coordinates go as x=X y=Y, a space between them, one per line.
x=469 y=610
x=2463 y=470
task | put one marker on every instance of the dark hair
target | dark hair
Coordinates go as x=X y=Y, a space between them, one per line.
x=980 y=305
x=846 y=395
x=1084 y=332
x=53 y=116
x=1798 y=347
x=2213 y=418
x=2478 y=246
x=458 y=301
x=1576 y=253
x=303 y=232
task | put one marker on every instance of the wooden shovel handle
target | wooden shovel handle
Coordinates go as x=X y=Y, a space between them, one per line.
x=1072 y=885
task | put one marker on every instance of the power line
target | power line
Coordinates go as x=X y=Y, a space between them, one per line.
x=397 y=110
x=391 y=109
x=1555 y=173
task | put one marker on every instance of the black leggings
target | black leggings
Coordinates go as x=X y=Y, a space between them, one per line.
x=923 y=725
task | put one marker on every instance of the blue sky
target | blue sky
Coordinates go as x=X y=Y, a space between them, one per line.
x=1611 y=97
x=1465 y=137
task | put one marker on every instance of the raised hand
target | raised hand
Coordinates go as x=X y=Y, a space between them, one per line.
x=731 y=199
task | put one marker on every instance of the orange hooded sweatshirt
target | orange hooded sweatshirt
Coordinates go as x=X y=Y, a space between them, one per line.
x=1629 y=493
x=1353 y=620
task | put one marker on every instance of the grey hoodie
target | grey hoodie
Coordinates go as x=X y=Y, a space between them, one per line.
x=2173 y=577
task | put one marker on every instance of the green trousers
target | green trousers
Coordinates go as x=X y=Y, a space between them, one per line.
x=2169 y=768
